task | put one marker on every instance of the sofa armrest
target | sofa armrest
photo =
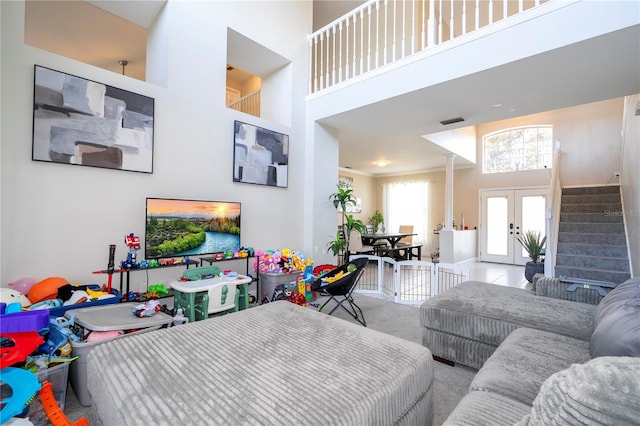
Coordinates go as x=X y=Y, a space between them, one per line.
x=554 y=288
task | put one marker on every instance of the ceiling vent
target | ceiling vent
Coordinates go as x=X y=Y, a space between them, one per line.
x=451 y=121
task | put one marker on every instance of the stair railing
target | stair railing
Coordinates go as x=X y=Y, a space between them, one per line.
x=553 y=214
x=249 y=104
x=381 y=32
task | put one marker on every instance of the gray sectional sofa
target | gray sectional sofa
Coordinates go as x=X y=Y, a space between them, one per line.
x=541 y=360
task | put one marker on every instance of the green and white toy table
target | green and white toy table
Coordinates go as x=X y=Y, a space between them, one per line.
x=193 y=296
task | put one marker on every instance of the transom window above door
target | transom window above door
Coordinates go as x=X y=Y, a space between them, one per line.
x=517 y=149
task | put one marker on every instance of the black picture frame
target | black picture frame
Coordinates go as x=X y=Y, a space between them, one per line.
x=260 y=156
x=81 y=122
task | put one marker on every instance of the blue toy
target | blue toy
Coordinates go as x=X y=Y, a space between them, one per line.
x=24 y=386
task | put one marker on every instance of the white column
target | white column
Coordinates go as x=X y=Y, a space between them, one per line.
x=448 y=193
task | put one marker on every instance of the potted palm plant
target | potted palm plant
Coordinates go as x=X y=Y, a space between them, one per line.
x=341 y=199
x=533 y=243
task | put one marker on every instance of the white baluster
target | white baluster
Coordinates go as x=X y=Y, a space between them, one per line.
x=377 y=34
x=310 y=41
x=362 y=41
x=505 y=10
x=340 y=66
x=451 y=22
x=404 y=23
x=315 y=61
x=464 y=17
x=386 y=33
x=355 y=52
x=490 y=12
x=346 y=52
x=369 y=38
x=322 y=85
x=440 y=27
x=333 y=71
x=413 y=27
x=393 y=55
x=477 y=23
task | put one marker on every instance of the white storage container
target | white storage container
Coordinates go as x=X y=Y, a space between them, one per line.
x=105 y=318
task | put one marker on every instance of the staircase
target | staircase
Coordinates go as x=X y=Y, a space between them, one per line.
x=591 y=235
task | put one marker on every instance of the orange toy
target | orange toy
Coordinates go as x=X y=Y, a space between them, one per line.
x=46 y=289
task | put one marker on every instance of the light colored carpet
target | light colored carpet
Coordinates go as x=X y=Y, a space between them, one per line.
x=451 y=383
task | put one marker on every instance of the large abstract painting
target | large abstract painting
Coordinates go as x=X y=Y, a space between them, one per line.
x=81 y=122
x=261 y=156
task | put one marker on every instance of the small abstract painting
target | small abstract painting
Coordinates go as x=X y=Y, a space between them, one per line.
x=261 y=156
x=80 y=122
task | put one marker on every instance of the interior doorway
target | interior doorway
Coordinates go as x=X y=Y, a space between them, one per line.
x=504 y=215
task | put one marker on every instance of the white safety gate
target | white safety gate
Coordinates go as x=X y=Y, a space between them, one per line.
x=408 y=281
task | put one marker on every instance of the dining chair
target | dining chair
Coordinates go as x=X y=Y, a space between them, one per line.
x=356 y=246
x=408 y=240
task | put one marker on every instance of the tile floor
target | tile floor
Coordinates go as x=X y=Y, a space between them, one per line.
x=497 y=273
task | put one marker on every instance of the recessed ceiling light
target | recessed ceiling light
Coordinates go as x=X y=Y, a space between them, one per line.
x=496 y=105
x=381 y=163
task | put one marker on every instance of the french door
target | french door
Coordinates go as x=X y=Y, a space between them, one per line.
x=505 y=214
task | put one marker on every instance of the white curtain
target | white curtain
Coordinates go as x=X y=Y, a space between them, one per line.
x=407 y=203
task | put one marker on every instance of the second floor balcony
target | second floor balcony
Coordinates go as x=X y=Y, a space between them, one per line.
x=382 y=33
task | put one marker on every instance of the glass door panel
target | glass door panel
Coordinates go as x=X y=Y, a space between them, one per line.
x=504 y=216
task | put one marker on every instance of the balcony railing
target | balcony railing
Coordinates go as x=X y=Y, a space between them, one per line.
x=249 y=104
x=382 y=32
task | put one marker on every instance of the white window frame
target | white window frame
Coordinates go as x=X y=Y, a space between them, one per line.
x=516 y=152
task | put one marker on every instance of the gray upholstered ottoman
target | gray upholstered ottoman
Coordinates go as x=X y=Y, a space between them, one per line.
x=467 y=323
x=276 y=364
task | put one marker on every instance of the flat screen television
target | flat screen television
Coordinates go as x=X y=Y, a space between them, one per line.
x=190 y=227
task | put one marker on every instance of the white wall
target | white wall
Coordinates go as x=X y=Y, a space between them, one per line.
x=58 y=220
x=630 y=179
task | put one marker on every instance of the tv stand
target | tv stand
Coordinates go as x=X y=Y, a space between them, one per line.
x=127 y=272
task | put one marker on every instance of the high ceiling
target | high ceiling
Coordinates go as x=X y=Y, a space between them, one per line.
x=565 y=77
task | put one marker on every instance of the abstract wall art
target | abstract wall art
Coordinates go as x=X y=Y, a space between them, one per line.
x=261 y=156
x=81 y=122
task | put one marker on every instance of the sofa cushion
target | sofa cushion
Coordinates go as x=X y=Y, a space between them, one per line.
x=488 y=313
x=603 y=391
x=525 y=360
x=486 y=409
x=617 y=322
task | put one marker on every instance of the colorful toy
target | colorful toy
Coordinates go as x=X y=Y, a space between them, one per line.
x=23 y=285
x=159 y=288
x=15 y=347
x=8 y=295
x=147 y=309
x=46 y=289
x=133 y=242
x=24 y=321
x=24 y=387
x=54 y=413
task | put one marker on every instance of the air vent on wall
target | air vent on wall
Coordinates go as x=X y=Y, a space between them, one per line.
x=451 y=121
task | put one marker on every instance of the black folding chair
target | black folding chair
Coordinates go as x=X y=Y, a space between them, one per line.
x=340 y=291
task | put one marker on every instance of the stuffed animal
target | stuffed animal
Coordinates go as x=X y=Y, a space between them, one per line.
x=9 y=295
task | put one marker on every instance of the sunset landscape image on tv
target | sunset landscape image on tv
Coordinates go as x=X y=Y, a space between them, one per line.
x=190 y=227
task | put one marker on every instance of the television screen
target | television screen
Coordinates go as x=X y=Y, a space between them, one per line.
x=190 y=227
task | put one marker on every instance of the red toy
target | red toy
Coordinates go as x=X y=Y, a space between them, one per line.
x=16 y=347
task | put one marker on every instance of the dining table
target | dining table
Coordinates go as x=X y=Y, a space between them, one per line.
x=391 y=237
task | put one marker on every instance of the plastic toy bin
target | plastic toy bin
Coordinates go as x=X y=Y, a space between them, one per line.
x=105 y=318
x=57 y=376
x=269 y=282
